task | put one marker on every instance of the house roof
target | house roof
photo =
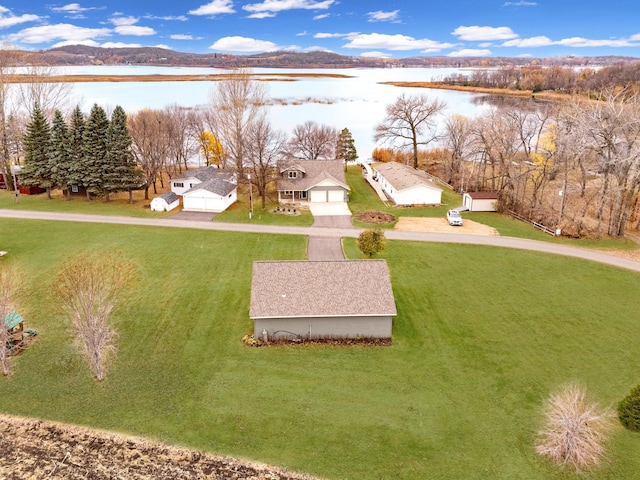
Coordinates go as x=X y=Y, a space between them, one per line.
x=321 y=289
x=220 y=186
x=483 y=195
x=206 y=173
x=169 y=197
x=402 y=177
x=315 y=171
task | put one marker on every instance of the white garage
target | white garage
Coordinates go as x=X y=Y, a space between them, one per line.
x=318 y=196
x=211 y=196
x=406 y=185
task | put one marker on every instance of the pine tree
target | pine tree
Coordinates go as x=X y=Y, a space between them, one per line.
x=60 y=153
x=122 y=174
x=95 y=151
x=345 y=148
x=36 y=143
x=76 y=150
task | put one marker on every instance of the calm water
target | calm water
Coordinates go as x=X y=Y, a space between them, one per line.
x=357 y=103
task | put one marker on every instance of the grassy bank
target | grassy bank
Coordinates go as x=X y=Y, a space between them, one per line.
x=482 y=336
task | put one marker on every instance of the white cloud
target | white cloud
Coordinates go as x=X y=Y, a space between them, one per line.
x=63 y=31
x=178 y=36
x=302 y=34
x=180 y=18
x=585 y=42
x=88 y=43
x=381 y=16
x=532 y=42
x=480 y=34
x=322 y=16
x=162 y=45
x=214 y=8
x=120 y=45
x=11 y=20
x=275 y=6
x=262 y=15
x=395 y=42
x=72 y=8
x=336 y=35
x=635 y=37
x=522 y=3
x=243 y=44
x=135 y=30
x=471 y=52
x=375 y=55
x=124 y=20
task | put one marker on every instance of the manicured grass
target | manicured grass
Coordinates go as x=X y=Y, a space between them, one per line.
x=239 y=213
x=481 y=338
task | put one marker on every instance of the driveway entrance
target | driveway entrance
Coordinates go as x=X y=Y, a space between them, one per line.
x=329 y=208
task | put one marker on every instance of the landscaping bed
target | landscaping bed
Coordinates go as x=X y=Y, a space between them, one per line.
x=374 y=217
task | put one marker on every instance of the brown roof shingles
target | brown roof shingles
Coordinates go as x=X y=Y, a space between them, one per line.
x=402 y=176
x=315 y=171
x=321 y=289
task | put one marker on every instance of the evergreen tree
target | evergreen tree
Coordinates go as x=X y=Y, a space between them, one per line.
x=76 y=148
x=60 y=153
x=122 y=173
x=95 y=164
x=345 y=148
x=36 y=144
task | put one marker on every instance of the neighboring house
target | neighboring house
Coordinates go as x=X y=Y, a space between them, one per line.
x=406 y=185
x=206 y=189
x=311 y=181
x=480 y=201
x=322 y=299
x=165 y=202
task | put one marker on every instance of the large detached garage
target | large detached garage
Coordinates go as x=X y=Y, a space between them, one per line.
x=322 y=299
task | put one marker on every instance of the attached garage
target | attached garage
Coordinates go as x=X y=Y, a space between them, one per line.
x=212 y=196
x=336 y=195
x=318 y=196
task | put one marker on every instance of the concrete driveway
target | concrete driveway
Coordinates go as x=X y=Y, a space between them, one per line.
x=324 y=248
x=194 y=216
x=329 y=209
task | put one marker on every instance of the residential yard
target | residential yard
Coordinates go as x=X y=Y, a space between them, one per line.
x=482 y=336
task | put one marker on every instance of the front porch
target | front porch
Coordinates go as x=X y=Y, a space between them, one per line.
x=293 y=196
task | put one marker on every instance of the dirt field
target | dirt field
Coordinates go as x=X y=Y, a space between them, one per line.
x=440 y=225
x=34 y=449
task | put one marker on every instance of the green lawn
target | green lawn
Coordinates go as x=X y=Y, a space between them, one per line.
x=482 y=336
x=239 y=213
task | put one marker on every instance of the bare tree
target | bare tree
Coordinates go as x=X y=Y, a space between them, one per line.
x=90 y=286
x=10 y=289
x=264 y=148
x=576 y=431
x=236 y=103
x=312 y=141
x=182 y=141
x=458 y=142
x=37 y=87
x=411 y=122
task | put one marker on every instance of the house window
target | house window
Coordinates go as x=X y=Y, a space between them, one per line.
x=303 y=194
x=191 y=185
x=74 y=188
x=288 y=192
x=293 y=174
x=178 y=185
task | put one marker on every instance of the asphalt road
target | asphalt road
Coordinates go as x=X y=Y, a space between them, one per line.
x=336 y=232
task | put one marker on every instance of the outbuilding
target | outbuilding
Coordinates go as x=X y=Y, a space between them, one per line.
x=322 y=299
x=165 y=202
x=206 y=189
x=480 y=201
x=405 y=185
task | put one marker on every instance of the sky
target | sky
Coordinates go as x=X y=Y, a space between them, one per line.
x=368 y=28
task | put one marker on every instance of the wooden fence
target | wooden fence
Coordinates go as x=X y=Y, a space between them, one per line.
x=537 y=225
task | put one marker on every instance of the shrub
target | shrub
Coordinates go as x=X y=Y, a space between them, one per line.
x=575 y=431
x=371 y=242
x=629 y=410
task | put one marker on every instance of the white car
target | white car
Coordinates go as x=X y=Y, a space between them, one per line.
x=454 y=218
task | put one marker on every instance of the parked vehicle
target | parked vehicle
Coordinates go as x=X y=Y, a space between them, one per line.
x=454 y=218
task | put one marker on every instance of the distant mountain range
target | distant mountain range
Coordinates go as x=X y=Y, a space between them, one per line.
x=85 y=55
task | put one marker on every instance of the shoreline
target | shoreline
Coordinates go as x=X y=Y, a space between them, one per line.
x=482 y=90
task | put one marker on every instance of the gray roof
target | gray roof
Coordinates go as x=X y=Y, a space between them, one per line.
x=315 y=171
x=220 y=186
x=402 y=177
x=169 y=197
x=207 y=173
x=321 y=289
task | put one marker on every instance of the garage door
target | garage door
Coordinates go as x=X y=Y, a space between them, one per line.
x=318 y=196
x=336 y=196
x=193 y=203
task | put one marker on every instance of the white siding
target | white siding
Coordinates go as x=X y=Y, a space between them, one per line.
x=417 y=195
x=202 y=200
x=160 y=205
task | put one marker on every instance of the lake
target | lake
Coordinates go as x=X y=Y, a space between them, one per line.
x=357 y=103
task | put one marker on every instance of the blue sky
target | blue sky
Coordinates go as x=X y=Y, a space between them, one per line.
x=393 y=29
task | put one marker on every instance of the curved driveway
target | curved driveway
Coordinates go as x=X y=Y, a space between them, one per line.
x=507 y=242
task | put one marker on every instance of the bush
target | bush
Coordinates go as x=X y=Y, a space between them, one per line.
x=575 y=431
x=629 y=410
x=371 y=242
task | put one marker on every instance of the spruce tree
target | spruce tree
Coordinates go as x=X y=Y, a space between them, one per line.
x=345 y=147
x=60 y=153
x=95 y=151
x=36 y=144
x=76 y=149
x=122 y=174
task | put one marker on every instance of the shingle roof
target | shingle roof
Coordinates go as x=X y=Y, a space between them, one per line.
x=169 y=197
x=321 y=289
x=483 y=195
x=220 y=186
x=207 y=173
x=315 y=172
x=402 y=176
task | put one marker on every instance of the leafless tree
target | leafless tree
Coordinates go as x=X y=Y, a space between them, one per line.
x=576 y=431
x=312 y=141
x=37 y=87
x=458 y=142
x=411 y=122
x=150 y=144
x=11 y=287
x=182 y=141
x=236 y=103
x=264 y=148
x=90 y=286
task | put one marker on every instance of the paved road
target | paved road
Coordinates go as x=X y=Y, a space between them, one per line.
x=336 y=232
x=324 y=248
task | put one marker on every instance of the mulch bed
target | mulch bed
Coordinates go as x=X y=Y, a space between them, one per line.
x=374 y=217
x=364 y=341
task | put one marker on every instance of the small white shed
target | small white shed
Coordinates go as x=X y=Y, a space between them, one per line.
x=480 y=201
x=165 y=202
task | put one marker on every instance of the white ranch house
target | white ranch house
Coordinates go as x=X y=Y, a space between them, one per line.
x=206 y=189
x=322 y=299
x=311 y=181
x=405 y=185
